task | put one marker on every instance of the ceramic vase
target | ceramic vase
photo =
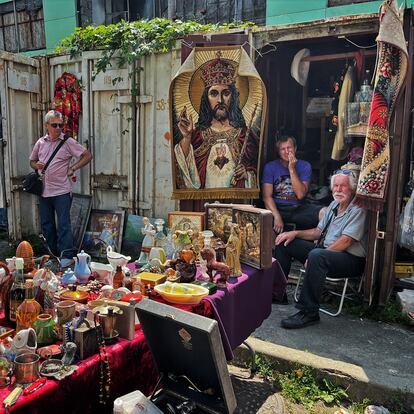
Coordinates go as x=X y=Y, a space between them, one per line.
x=45 y=328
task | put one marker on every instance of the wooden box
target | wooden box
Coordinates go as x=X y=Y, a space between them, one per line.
x=256 y=227
x=85 y=340
x=187 y=349
x=218 y=217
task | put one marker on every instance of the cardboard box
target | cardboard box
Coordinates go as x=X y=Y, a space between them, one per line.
x=187 y=348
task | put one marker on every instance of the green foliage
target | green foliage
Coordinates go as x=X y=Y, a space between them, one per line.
x=358 y=407
x=397 y=404
x=390 y=313
x=128 y=41
x=266 y=367
x=301 y=387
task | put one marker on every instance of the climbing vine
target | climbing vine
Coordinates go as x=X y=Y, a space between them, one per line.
x=128 y=41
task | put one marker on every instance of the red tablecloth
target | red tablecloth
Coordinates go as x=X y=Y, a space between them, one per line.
x=239 y=310
x=131 y=368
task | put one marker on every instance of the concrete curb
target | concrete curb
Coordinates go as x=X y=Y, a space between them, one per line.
x=349 y=376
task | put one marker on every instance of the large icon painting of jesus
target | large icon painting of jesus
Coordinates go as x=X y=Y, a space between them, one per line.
x=217 y=114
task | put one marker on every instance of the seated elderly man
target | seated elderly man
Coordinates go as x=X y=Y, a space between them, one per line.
x=339 y=252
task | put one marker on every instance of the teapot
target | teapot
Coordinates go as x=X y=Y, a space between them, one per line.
x=82 y=270
x=68 y=277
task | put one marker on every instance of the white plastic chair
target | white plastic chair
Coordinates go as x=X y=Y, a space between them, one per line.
x=343 y=295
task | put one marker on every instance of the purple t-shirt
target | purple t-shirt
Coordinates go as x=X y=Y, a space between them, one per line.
x=56 y=181
x=276 y=174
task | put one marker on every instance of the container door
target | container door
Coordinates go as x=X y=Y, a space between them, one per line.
x=56 y=66
x=20 y=99
x=108 y=127
x=154 y=151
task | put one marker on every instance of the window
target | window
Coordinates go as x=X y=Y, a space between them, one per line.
x=333 y=3
x=22 y=26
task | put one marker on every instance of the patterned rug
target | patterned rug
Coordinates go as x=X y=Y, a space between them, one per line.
x=391 y=69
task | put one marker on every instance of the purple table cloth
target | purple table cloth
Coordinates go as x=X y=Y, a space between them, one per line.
x=246 y=303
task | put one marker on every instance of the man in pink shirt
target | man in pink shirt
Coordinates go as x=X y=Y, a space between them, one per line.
x=56 y=198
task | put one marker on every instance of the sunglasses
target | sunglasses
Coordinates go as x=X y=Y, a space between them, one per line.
x=56 y=125
x=345 y=172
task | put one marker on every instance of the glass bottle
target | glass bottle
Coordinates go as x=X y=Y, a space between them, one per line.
x=367 y=77
x=16 y=296
x=169 y=246
x=160 y=237
x=118 y=278
x=28 y=310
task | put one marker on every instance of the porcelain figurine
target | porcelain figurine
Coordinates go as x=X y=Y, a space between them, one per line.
x=49 y=284
x=182 y=240
x=160 y=237
x=24 y=341
x=233 y=249
x=148 y=242
x=82 y=270
x=69 y=351
x=222 y=271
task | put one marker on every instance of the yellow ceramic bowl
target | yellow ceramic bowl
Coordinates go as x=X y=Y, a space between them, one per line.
x=192 y=297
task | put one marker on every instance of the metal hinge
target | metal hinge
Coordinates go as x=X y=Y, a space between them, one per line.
x=380 y=235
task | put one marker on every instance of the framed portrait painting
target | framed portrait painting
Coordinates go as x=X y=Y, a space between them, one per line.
x=217 y=113
x=105 y=228
x=186 y=220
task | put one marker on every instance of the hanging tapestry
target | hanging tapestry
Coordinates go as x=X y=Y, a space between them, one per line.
x=391 y=69
x=217 y=112
x=68 y=101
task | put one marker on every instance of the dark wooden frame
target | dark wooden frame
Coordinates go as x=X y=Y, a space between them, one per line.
x=79 y=218
x=120 y=227
x=265 y=220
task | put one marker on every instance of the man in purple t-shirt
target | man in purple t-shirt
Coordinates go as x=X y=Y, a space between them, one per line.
x=57 y=184
x=285 y=182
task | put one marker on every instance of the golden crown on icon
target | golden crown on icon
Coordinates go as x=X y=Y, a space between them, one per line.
x=218 y=72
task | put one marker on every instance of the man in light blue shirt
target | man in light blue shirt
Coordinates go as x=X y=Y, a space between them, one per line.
x=340 y=251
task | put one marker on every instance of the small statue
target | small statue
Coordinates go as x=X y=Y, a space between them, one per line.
x=148 y=242
x=233 y=249
x=185 y=265
x=160 y=237
x=222 y=270
x=69 y=352
x=182 y=240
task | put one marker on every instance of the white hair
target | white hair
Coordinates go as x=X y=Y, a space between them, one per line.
x=52 y=114
x=352 y=178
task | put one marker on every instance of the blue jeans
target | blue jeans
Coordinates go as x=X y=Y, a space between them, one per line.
x=59 y=239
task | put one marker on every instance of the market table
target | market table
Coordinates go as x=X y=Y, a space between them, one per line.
x=239 y=310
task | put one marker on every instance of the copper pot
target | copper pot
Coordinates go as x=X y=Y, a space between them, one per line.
x=26 y=368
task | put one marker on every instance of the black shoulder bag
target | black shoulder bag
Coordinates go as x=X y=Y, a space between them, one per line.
x=321 y=239
x=33 y=182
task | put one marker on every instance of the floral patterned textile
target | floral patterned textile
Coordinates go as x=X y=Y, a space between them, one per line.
x=68 y=101
x=391 y=69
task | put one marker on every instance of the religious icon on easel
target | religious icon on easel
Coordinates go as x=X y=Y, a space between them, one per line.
x=217 y=114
